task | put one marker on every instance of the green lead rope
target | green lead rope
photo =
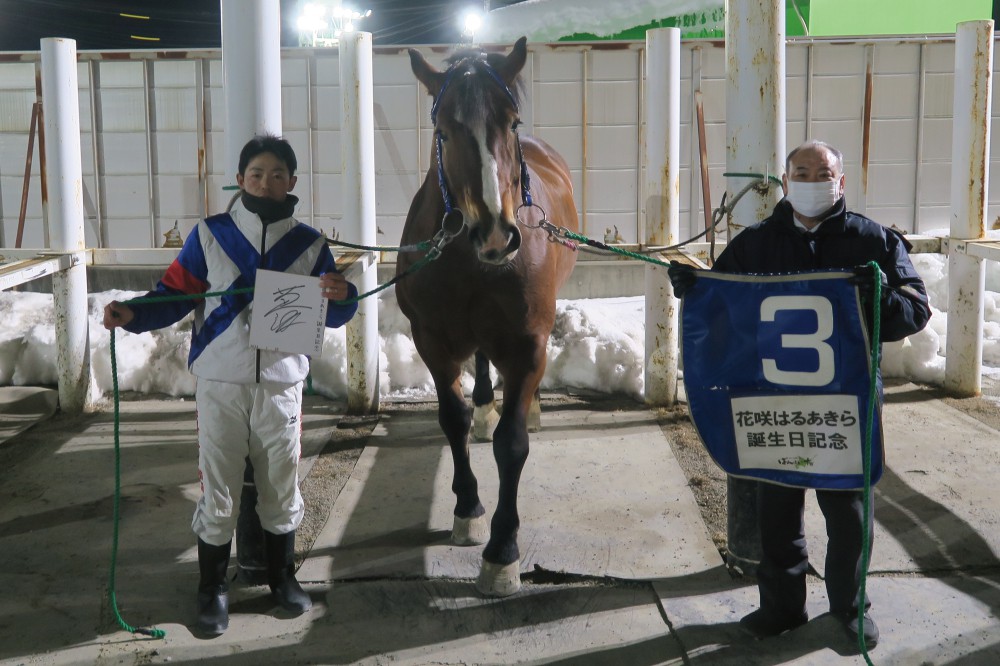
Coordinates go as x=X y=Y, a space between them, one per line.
x=153 y=633
x=866 y=458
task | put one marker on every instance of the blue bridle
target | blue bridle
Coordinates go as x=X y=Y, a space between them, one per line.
x=442 y=181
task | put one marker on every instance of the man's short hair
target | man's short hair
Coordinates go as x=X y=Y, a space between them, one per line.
x=816 y=143
x=268 y=143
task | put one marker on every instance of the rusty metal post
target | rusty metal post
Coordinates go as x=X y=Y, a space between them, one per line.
x=358 y=169
x=970 y=159
x=755 y=139
x=662 y=203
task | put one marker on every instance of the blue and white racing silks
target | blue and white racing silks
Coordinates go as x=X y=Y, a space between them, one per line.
x=223 y=254
x=777 y=375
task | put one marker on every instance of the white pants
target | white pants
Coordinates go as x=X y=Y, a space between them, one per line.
x=264 y=422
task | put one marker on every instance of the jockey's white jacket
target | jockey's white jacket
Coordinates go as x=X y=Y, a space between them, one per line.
x=222 y=254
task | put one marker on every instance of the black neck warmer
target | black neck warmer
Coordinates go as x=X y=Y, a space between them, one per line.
x=269 y=210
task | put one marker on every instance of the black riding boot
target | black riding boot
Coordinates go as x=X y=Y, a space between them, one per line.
x=213 y=589
x=281 y=572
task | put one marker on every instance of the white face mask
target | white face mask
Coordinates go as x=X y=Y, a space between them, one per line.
x=811 y=199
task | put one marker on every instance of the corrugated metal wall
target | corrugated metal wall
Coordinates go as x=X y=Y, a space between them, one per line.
x=152 y=132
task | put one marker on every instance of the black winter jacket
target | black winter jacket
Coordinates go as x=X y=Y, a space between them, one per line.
x=843 y=240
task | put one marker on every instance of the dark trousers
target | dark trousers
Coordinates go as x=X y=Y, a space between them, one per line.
x=781 y=576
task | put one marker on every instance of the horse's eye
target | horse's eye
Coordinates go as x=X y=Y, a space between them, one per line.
x=444 y=137
x=514 y=125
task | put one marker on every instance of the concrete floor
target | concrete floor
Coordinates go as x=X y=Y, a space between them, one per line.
x=617 y=564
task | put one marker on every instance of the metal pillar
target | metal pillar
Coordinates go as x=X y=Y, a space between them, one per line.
x=357 y=132
x=970 y=159
x=755 y=139
x=251 y=70
x=63 y=177
x=662 y=204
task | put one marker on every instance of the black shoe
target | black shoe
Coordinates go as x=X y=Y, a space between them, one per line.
x=281 y=573
x=213 y=589
x=213 y=611
x=870 y=630
x=763 y=624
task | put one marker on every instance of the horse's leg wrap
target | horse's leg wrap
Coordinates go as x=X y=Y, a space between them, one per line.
x=470 y=531
x=484 y=421
x=499 y=580
x=535 y=415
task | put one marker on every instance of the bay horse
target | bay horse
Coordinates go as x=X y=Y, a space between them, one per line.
x=495 y=201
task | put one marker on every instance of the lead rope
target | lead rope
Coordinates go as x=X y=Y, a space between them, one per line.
x=112 y=597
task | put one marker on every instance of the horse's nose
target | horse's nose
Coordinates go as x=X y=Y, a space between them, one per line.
x=497 y=247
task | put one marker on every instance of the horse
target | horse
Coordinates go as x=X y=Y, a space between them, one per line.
x=495 y=204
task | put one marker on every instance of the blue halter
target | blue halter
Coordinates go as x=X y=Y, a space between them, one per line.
x=442 y=181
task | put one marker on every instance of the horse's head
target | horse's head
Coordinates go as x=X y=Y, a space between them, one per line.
x=478 y=158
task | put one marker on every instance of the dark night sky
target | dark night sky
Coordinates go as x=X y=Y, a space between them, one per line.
x=97 y=24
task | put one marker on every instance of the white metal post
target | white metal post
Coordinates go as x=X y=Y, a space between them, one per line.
x=755 y=140
x=251 y=71
x=970 y=159
x=662 y=203
x=357 y=132
x=64 y=185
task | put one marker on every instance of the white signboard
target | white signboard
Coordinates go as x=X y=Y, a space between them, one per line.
x=289 y=313
x=819 y=434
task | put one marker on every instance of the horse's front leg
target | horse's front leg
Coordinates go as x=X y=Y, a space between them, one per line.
x=469 y=526
x=500 y=574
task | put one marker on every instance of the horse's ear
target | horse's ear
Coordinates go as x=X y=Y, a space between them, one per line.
x=514 y=62
x=425 y=72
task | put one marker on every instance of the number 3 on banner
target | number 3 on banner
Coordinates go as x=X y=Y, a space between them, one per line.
x=825 y=373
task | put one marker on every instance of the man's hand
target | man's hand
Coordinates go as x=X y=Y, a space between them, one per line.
x=116 y=314
x=682 y=277
x=864 y=280
x=333 y=286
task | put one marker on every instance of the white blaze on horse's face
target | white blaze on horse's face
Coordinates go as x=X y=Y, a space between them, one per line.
x=494 y=234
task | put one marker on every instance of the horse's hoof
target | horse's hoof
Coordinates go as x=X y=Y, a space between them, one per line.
x=535 y=416
x=499 y=580
x=470 y=531
x=484 y=422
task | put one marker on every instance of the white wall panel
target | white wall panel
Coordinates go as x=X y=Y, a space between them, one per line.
x=176 y=152
x=127 y=196
x=895 y=95
x=397 y=107
x=616 y=65
x=125 y=153
x=326 y=152
x=612 y=103
x=559 y=66
x=395 y=151
x=179 y=197
x=890 y=185
x=326 y=113
x=939 y=95
x=613 y=147
x=123 y=109
x=558 y=103
x=894 y=140
x=294 y=108
x=173 y=74
x=604 y=156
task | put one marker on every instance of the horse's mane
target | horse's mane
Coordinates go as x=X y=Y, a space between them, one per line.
x=475 y=90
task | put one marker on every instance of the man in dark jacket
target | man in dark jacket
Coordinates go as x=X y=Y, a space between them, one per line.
x=810 y=229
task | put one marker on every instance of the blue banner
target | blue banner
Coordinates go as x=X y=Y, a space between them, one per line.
x=777 y=375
